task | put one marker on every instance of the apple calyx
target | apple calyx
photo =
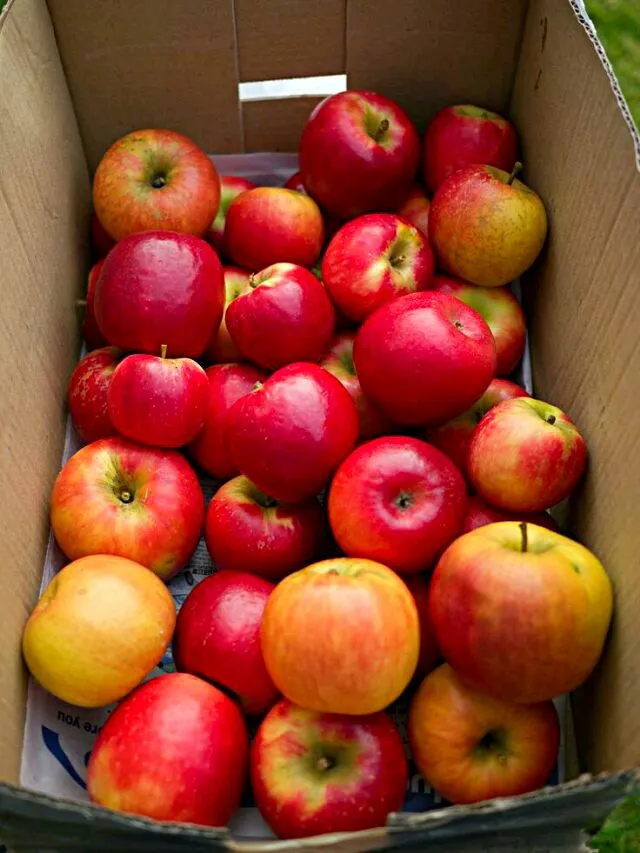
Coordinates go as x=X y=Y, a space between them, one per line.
x=323 y=764
x=492 y=743
x=525 y=538
x=163 y=351
x=125 y=495
x=404 y=501
x=517 y=168
x=158 y=182
x=550 y=419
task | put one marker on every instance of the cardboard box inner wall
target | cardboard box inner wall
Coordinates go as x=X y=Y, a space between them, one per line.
x=76 y=74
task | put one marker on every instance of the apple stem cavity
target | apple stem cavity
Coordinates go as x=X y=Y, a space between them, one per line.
x=515 y=171
x=380 y=131
x=404 y=501
x=163 y=351
x=158 y=182
x=524 y=535
x=324 y=763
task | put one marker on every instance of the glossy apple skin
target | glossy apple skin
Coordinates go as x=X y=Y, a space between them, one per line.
x=367 y=651
x=480 y=513
x=290 y=435
x=454 y=437
x=227 y=384
x=471 y=747
x=331 y=223
x=160 y=288
x=397 y=500
x=502 y=313
x=91 y=334
x=415 y=209
x=425 y=358
x=218 y=637
x=374 y=259
x=101 y=242
x=313 y=773
x=359 y=153
x=230 y=187
x=247 y=531
x=175 y=750
x=269 y=225
x=100 y=627
x=283 y=315
x=117 y=497
x=87 y=393
x=465 y=135
x=521 y=625
x=484 y=229
x=526 y=456
x=221 y=349
x=127 y=200
x=429 y=652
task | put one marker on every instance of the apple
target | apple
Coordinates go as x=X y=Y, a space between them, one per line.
x=466 y=135
x=359 y=153
x=283 y=315
x=99 y=628
x=245 y=530
x=398 y=501
x=230 y=187
x=176 y=749
x=295 y=183
x=314 y=773
x=87 y=393
x=470 y=747
x=158 y=400
x=454 y=437
x=331 y=223
x=91 y=334
x=366 y=648
x=218 y=637
x=415 y=209
x=155 y=180
x=117 y=497
x=160 y=288
x=526 y=456
x=269 y=225
x=425 y=358
x=480 y=513
x=221 y=349
x=374 y=259
x=486 y=226
x=227 y=384
x=429 y=651
x=520 y=612
x=289 y=435
x=101 y=242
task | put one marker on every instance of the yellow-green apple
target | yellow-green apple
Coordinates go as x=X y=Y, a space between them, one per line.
x=217 y=637
x=502 y=313
x=221 y=349
x=486 y=226
x=331 y=223
x=424 y=358
x=480 y=513
x=366 y=649
x=374 y=259
x=454 y=437
x=160 y=288
x=176 y=749
x=246 y=530
x=466 y=135
x=397 y=500
x=429 y=651
x=117 y=497
x=87 y=393
x=101 y=625
x=227 y=384
x=313 y=773
x=415 y=208
x=230 y=187
x=471 y=747
x=289 y=435
x=519 y=611
x=157 y=400
x=359 y=153
x=101 y=242
x=272 y=224
x=525 y=456
x=155 y=180
x=283 y=315
x=91 y=334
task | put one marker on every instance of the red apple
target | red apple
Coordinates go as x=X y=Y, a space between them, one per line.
x=359 y=153
x=374 y=259
x=315 y=773
x=480 y=513
x=101 y=242
x=221 y=349
x=218 y=637
x=227 y=384
x=397 y=500
x=87 y=393
x=331 y=223
x=465 y=135
x=295 y=183
x=155 y=180
x=520 y=612
x=157 y=400
x=269 y=225
x=117 y=497
x=289 y=435
x=526 y=456
x=415 y=209
x=424 y=358
x=230 y=187
x=176 y=749
x=366 y=649
x=502 y=313
x=91 y=334
x=470 y=747
x=283 y=315
x=429 y=651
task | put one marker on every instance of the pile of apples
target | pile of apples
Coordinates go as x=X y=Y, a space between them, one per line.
x=380 y=527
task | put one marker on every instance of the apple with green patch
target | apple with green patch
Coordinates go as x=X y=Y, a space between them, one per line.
x=230 y=187
x=221 y=348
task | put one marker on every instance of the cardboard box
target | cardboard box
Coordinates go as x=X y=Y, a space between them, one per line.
x=76 y=74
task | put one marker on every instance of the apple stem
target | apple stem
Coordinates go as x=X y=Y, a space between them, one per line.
x=323 y=764
x=515 y=171
x=523 y=531
x=257 y=386
x=163 y=351
x=551 y=419
x=383 y=127
x=252 y=281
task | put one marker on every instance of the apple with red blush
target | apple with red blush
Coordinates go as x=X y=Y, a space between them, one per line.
x=91 y=333
x=221 y=348
x=429 y=652
x=415 y=209
x=230 y=187
x=87 y=393
x=480 y=513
